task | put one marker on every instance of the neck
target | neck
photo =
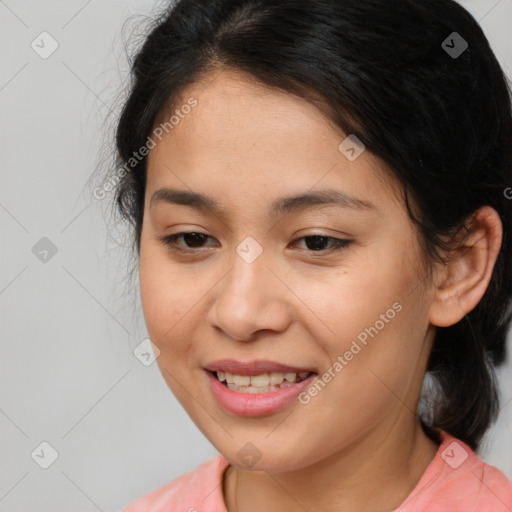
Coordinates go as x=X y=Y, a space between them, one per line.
x=377 y=473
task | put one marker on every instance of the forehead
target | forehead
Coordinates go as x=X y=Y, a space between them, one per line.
x=260 y=142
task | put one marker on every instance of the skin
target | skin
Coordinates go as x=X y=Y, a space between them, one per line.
x=357 y=445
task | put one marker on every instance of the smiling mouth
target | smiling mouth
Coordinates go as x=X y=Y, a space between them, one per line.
x=263 y=383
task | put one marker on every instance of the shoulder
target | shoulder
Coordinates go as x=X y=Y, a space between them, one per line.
x=196 y=491
x=458 y=479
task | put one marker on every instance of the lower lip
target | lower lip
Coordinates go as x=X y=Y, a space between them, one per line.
x=258 y=404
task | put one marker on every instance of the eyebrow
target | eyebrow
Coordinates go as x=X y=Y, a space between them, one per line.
x=281 y=206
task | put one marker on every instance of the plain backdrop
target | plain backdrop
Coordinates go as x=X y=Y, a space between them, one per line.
x=73 y=396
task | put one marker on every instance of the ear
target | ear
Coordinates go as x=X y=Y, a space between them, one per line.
x=462 y=281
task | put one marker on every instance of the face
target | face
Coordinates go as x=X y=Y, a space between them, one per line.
x=257 y=282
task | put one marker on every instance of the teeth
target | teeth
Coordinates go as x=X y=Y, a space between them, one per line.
x=260 y=383
x=254 y=389
x=241 y=380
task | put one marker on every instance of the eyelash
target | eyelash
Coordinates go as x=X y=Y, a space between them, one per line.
x=339 y=243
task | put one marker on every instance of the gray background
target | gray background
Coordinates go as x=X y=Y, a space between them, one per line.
x=69 y=324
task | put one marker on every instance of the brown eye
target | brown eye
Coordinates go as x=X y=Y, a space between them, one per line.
x=192 y=240
x=317 y=243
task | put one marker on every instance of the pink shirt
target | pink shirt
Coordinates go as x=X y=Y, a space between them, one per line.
x=456 y=480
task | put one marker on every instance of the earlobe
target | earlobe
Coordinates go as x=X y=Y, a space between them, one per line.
x=463 y=280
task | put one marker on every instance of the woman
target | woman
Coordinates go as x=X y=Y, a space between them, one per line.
x=318 y=196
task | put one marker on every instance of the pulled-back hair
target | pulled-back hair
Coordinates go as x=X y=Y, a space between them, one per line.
x=383 y=71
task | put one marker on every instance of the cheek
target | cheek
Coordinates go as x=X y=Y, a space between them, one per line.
x=167 y=297
x=375 y=322
x=169 y=307
x=375 y=377
x=346 y=303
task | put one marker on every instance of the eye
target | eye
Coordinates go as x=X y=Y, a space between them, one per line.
x=195 y=240
x=316 y=243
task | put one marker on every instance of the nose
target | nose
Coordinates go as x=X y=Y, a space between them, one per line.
x=250 y=298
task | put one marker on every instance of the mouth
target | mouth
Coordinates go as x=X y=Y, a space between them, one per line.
x=258 y=394
x=259 y=383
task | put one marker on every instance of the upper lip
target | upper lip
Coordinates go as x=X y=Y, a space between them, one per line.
x=255 y=367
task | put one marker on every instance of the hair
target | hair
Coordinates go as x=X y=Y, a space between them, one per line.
x=379 y=70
